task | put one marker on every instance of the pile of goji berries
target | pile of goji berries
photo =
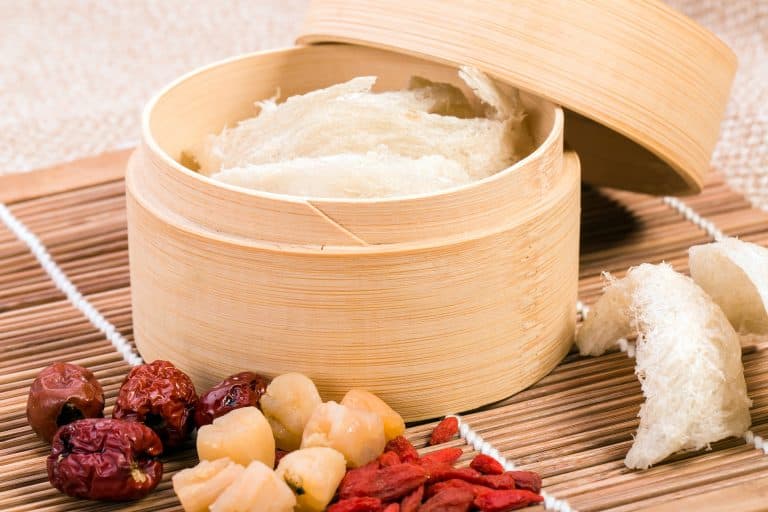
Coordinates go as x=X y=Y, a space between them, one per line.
x=402 y=481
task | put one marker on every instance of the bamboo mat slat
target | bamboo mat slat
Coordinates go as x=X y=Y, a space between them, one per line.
x=574 y=426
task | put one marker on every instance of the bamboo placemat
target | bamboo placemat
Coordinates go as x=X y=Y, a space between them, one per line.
x=574 y=426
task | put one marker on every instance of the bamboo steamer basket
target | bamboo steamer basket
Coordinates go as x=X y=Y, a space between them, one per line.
x=645 y=87
x=438 y=303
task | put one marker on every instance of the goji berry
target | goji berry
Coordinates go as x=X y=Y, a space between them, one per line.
x=526 y=480
x=486 y=465
x=412 y=502
x=440 y=472
x=445 y=456
x=388 y=483
x=502 y=481
x=389 y=459
x=279 y=454
x=444 y=431
x=356 y=505
x=479 y=490
x=392 y=507
x=449 y=500
x=403 y=448
x=453 y=483
x=504 y=500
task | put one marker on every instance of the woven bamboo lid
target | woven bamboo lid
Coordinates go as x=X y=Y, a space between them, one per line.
x=646 y=87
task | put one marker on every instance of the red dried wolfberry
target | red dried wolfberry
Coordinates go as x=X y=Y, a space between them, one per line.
x=504 y=500
x=444 y=455
x=392 y=507
x=486 y=465
x=356 y=505
x=389 y=459
x=449 y=500
x=279 y=454
x=387 y=484
x=502 y=481
x=453 y=483
x=439 y=472
x=444 y=431
x=479 y=490
x=412 y=502
x=403 y=448
x=526 y=480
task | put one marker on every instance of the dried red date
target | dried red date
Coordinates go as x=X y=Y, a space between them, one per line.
x=486 y=465
x=162 y=397
x=453 y=499
x=403 y=448
x=504 y=500
x=61 y=394
x=105 y=459
x=392 y=507
x=387 y=484
x=240 y=390
x=444 y=431
x=356 y=505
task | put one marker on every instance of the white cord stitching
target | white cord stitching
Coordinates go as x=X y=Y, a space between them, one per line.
x=63 y=283
x=582 y=310
x=690 y=215
x=757 y=441
x=476 y=441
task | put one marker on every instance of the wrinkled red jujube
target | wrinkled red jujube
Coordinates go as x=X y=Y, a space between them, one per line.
x=61 y=394
x=240 y=390
x=105 y=459
x=162 y=397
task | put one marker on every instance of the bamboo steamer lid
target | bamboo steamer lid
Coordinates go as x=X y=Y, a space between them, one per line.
x=646 y=87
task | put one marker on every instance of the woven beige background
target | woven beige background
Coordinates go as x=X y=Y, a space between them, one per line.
x=75 y=74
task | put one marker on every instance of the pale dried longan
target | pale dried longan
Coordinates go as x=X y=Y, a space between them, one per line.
x=360 y=399
x=198 y=487
x=288 y=403
x=257 y=489
x=243 y=435
x=313 y=474
x=357 y=434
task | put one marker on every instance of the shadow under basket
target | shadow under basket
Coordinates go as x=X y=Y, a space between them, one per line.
x=438 y=303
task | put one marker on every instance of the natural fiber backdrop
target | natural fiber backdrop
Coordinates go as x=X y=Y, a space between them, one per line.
x=75 y=74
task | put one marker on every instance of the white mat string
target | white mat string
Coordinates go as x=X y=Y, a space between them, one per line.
x=63 y=283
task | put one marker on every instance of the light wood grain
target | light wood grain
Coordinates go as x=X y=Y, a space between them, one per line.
x=398 y=296
x=656 y=83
